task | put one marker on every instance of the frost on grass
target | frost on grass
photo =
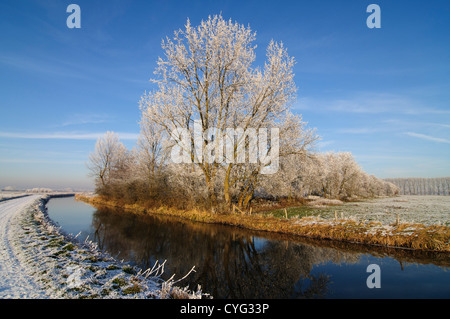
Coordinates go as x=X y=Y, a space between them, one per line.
x=427 y=210
x=401 y=235
x=11 y=195
x=325 y=202
x=68 y=269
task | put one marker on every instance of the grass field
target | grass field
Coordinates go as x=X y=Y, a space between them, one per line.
x=427 y=210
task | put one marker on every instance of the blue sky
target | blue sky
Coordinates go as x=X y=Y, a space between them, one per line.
x=382 y=94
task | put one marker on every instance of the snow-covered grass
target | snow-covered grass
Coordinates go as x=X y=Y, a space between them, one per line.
x=324 y=202
x=426 y=210
x=65 y=268
x=405 y=235
x=11 y=194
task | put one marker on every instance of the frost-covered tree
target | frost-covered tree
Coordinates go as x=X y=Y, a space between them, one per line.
x=201 y=79
x=243 y=180
x=206 y=78
x=108 y=159
x=330 y=175
x=151 y=154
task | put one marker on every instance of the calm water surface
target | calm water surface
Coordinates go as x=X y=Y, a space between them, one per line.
x=234 y=263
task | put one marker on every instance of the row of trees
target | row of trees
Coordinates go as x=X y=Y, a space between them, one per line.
x=422 y=186
x=205 y=130
x=329 y=175
x=139 y=175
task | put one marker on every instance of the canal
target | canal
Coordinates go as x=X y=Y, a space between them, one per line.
x=231 y=262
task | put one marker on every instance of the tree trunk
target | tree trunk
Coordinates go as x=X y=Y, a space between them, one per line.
x=226 y=186
x=248 y=197
x=212 y=199
x=242 y=197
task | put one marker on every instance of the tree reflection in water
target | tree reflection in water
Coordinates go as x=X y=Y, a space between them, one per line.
x=229 y=262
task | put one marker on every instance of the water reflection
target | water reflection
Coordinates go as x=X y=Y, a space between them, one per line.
x=229 y=262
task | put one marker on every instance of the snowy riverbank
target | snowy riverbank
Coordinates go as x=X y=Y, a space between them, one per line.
x=38 y=261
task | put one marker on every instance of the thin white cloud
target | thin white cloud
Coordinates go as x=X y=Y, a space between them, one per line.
x=369 y=103
x=42 y=66
x=67 y=135
x=82 y=119
x=428 y=137
x=324 y=144
x=40 y=161
x=363 y=130
x=398 y=123
x=439 y=125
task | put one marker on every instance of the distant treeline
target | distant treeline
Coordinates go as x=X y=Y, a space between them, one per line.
x=422 y=186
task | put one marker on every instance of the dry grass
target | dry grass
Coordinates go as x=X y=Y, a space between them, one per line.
x=410 y=236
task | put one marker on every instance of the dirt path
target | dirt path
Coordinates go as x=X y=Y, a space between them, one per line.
x=14 y=280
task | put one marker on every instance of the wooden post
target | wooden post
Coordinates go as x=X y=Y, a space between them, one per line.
x=335 y=215
x=285 y=213
x=398 y=220
x=250 y=211
x=342 y=215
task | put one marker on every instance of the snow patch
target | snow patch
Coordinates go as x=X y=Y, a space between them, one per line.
x=74 y=280
x=52 y=265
